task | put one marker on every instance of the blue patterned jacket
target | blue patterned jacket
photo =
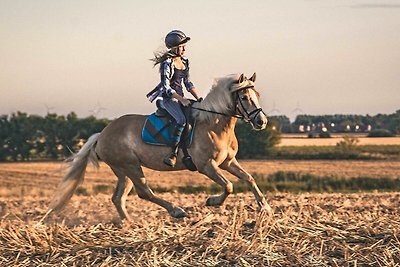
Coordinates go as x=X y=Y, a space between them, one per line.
x=164 y=89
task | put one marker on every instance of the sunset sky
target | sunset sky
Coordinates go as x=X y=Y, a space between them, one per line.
x=313 y=57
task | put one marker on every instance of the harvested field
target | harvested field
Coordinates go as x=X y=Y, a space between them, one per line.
x=40 y=179
x=301 y=140
x=305 y=230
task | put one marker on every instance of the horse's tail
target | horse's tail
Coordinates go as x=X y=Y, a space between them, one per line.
x=75 y=174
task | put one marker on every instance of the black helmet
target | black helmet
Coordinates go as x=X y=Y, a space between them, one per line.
x=175 y=38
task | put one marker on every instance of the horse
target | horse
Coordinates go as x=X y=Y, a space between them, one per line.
x=213 y=149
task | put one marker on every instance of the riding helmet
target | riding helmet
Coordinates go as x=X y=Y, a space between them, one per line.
x=175 y=38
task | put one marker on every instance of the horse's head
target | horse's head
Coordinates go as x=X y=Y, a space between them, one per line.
x=247 y=104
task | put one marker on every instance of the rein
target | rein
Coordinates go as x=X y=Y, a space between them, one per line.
x=240 y=116
x=219 y=113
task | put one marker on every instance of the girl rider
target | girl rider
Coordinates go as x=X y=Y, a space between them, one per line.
x=174 y=70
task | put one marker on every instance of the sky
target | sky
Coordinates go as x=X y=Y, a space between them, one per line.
x=313 y=56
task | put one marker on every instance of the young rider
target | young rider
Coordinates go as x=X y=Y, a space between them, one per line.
x=174 y=70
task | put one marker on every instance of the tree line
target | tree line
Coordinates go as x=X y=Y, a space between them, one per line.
x=340 y=123
x=26 y=137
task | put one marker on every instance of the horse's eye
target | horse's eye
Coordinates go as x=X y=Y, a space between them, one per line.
x=244 y=97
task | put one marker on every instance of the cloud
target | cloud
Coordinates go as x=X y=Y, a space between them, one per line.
x=376 y=6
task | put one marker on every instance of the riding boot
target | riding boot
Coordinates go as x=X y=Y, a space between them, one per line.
x=170 y=160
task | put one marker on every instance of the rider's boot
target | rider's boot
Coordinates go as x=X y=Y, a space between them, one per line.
x=170 y=160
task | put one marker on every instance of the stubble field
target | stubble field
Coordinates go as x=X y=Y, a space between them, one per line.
x=302 y=140
x=41 y=178
x=305 y=230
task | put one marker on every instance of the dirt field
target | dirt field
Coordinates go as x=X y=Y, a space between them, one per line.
x=305 y=230
x=302 y=140
x=40 y=179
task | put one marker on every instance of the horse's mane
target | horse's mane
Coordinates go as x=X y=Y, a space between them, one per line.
x=219 y=99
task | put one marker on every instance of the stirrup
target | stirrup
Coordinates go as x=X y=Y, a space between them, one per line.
x=188 y=162
x=170 y=160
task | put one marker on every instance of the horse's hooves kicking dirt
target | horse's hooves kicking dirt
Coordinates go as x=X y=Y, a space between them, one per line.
x=178 y=213
x=213 y=201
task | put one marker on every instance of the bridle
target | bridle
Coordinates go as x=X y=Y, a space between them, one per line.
x=244 y=115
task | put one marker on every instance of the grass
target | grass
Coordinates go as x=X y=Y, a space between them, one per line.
x=299 y=183
x=367 y=152
x=294 y=182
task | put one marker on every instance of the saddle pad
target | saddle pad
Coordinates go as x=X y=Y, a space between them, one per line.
x=158 y=131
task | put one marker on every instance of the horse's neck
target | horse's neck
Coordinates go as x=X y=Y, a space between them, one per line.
x=219 y=124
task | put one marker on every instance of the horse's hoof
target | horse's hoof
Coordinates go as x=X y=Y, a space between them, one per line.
x=213 y=201
x=126 y=223
x=178 y=213
x=265 y=208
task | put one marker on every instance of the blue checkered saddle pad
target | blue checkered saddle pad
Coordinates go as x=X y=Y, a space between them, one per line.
x=158 y=130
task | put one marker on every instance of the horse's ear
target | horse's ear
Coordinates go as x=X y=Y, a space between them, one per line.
x=241 y=78
x=253 y=78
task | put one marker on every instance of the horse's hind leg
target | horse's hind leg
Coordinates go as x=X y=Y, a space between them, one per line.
x=143 y=190
x=214 y=173
x=234 y=168
x=124 y=186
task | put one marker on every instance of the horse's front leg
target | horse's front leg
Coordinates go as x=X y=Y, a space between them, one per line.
x=212 y=170
x=234 y=168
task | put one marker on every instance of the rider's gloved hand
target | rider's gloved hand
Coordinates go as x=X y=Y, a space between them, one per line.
x=185 y=102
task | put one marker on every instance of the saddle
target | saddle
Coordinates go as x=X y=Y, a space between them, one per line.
x=158 y=130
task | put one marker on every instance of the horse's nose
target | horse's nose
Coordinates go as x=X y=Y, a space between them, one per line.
x=260 y=121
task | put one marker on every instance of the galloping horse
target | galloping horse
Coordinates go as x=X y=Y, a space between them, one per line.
x=213 y=148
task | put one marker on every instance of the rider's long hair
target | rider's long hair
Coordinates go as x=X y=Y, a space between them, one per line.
x=160 y=56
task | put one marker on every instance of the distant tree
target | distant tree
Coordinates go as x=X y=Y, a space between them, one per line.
x=5 y=133
x=303 y=120
x=394 y=122
x=69 y=137
x=282 y=123
x=380 y=133
x=256 y=144
x=23 y=131
x=91 y=125
x=52 y=126
x=325 y=135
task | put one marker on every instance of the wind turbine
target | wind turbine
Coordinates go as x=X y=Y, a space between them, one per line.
x=48 y=108
x=97 y=109
x=298 y=110
x=274 y=109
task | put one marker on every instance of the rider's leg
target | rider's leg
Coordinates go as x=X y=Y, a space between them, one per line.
x=174 y=109
x=170 y=160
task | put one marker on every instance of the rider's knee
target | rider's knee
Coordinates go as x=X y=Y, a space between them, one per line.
x=181 y=121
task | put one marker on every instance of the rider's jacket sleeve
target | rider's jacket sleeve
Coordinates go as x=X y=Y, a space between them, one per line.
x=166 y=75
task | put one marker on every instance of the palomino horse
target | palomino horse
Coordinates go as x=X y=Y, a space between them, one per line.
x=213 y=148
